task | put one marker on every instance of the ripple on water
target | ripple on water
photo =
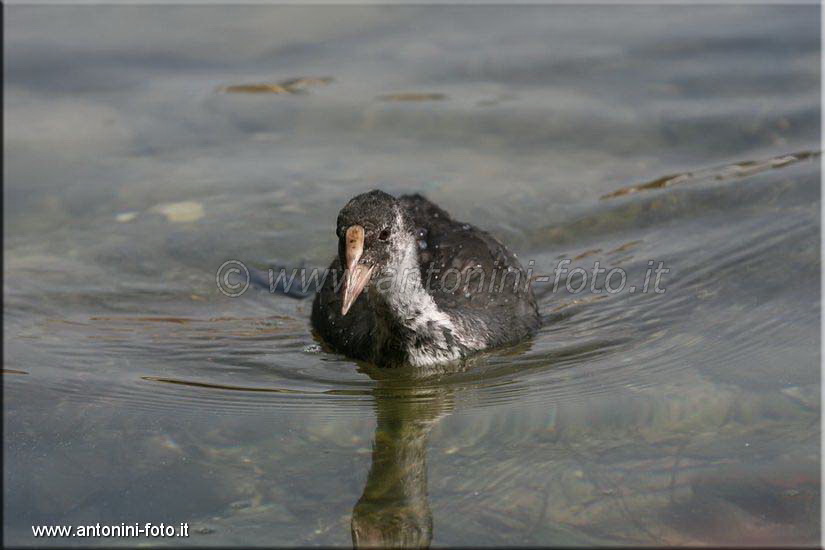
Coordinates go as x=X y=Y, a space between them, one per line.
x=590 y=344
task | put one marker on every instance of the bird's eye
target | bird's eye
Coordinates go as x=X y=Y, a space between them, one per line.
x=384 y=235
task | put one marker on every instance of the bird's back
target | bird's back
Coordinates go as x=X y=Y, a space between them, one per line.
x=472 y=274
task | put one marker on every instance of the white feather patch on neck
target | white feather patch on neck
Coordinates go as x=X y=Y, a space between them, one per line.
x=410 y=305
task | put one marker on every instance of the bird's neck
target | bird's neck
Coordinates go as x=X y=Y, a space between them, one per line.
x=409 y=323
x=399 y=292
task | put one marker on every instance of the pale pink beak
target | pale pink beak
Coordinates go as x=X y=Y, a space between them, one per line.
x=356 y=275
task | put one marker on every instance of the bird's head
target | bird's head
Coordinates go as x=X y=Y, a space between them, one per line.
x=372 y=232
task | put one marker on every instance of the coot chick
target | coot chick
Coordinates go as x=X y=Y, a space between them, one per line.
x=412 y=286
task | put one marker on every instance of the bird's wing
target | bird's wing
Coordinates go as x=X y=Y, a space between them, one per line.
x=451 y=249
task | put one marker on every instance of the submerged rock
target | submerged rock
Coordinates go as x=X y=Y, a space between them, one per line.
x=298 y=85
x=180 y=212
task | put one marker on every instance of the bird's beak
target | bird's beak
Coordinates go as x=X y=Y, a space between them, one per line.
x=356 y=275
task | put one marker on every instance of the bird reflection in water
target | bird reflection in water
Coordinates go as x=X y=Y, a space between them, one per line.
x=394 y=511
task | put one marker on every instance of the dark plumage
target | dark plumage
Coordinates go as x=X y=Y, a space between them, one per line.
x=421 y=288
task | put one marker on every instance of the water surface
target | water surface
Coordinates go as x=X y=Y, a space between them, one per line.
x=135 y=391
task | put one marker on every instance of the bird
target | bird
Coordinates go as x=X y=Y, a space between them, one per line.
x=411 y=286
